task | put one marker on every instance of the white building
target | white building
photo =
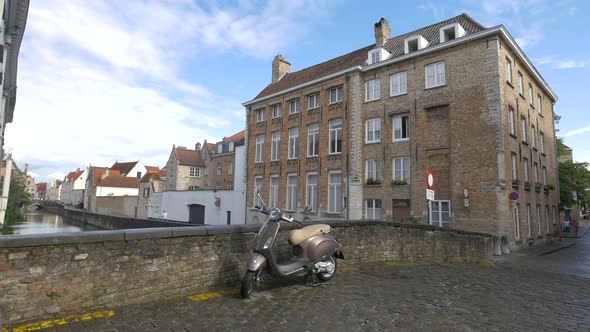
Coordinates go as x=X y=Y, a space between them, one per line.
x=117 y=185
x=72 y=189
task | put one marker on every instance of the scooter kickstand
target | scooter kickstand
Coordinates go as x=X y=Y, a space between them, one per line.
x=311 y=280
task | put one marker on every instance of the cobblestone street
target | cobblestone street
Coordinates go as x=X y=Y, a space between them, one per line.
x=522 y=292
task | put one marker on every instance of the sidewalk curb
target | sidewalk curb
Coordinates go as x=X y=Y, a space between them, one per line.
x=557 y=249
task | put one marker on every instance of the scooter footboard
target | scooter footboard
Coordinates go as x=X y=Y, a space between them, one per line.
x=256 y=261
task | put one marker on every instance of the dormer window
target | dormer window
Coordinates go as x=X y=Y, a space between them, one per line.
x=414 y=44
x=377 y=55
x=451 y=31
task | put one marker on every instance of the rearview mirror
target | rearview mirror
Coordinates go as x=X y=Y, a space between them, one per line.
x=307 y=209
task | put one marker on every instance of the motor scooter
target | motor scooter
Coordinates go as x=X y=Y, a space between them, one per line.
x=314 y=251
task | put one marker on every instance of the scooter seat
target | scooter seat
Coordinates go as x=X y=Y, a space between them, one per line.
x=299 y=235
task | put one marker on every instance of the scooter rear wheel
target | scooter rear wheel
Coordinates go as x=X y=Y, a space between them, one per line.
x=248 y=284
x=325 y=276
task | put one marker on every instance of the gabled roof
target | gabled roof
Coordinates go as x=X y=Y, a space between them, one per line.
x=189 y=157
x=72 y=176
x=97 y=173
x=211 y=146
x=119 y=181
x=152 y=169
x=124 y=168
x=157 y=176
x=395 y=46
x=236 y=136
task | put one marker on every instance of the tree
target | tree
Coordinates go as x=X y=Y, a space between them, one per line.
x=17 y=197
x=574 y=177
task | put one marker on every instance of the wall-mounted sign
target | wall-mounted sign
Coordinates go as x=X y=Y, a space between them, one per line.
x=513 y=196
x=430 y=180
x=487 y=188
x=430 y=194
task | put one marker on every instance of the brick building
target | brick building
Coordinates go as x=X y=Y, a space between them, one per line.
x=355 y=136
x=223 y=159
x=187 y=169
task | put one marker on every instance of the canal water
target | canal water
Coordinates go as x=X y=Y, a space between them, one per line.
x=36 y=222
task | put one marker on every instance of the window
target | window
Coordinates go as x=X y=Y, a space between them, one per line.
x=523 y=129
x=451 y=32
x=520 y=84
x=334 y=192
x=531 y=95
x=313 y=140
x=511 y=121
x=373 y=130
x=528 y=219
x=294 y=106
x=401 y=127
x=398 y=83
x=514 y=166
x=536 y=171
x=335 y=95
x=517 y=221
x=138 y=174
x=195 y=188
x=291 y=192
x=293 y=143
x=411 y=45
x=547 y=218
x=230 y=167
x=146 y=192
x=373 y=171
x=553 y=214
x=276 y=111
x=258 y=181
x=230 y=186
x=219 y=168
x=440 y=213
x=194 y=172
x=435 y=74
x=525 y=163
x=373 y=209
x=335 y=136
x=508 y=71
x=544 y=175
x=275 y=145
x=375 y=56
x=414 y=43
x=540 y=104
x=538 y=220
x=259 y=148
x=401 y=169
x=311 y=197
x=260 y=115
x=313 y=101
x=542 y=142
x=372 y=89
x=273 y=199
x=533 y=136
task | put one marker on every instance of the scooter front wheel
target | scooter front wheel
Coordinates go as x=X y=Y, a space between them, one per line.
x=248 y=284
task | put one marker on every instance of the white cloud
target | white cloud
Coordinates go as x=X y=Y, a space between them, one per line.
x=558 y=63
x=101 y=81
x=56 y=175
x=577 y=131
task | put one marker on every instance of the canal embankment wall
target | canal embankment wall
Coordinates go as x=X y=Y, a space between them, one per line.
x=52 y=275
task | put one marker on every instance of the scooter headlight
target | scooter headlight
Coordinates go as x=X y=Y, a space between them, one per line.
x=274 y=214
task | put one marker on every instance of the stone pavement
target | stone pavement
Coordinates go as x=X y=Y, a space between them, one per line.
x=522 y=292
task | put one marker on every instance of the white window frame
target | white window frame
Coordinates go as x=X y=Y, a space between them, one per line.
x=531 y=95
x=373 y=89
x=540 y=103
x=421 y=43
x=338 y=92
x=194 y=172
x=544 y=175
x=403 y=174
x=230 y=167
x=260 y=115
x=547 y=218
x=508 y=70
x=554 y=214
x=219 y=168
x=259 y=156
x=523 y=128
x=311 y=191
x=528 y=220
x=439 y=75
x=542 y=142
x=334 y=193
x=439 y=222
x=514 y=159
x=373 y=170
x=538 y=215
x=525 y=163
x=536 y=171
x=275 y=146
x=533 y=136
x=520 y=84
x=313 y=140
x=293 y=148
x=516 y=218
x=334 y=135
x=273 y=192
x=291 y=204
x=258 y=185
x=457 y=29
x=373 y=130
x=315 y=97
x=276 y=111
x=398 y=84
x=511 y=124
x=373 y=212
x=294 y=106
x=398 y=127
x=374 y=56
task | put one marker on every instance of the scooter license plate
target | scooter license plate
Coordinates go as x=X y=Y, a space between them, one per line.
x=339 y=254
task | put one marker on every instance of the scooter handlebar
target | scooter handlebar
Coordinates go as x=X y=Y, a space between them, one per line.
x=261 y=209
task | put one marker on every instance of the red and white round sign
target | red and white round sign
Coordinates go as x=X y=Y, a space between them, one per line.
x=430 y=180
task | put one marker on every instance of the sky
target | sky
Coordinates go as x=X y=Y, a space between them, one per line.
x=106 y=81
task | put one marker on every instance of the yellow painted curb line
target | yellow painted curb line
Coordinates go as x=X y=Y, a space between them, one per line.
x=60 y=321
x=212 y=295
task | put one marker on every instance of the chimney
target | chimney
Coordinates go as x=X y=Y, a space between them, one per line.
x=198 y=146
x=382 y=32
x=26 y=169
x=280 y=67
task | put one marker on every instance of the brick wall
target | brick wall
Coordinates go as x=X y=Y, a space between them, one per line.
x=51 y=274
